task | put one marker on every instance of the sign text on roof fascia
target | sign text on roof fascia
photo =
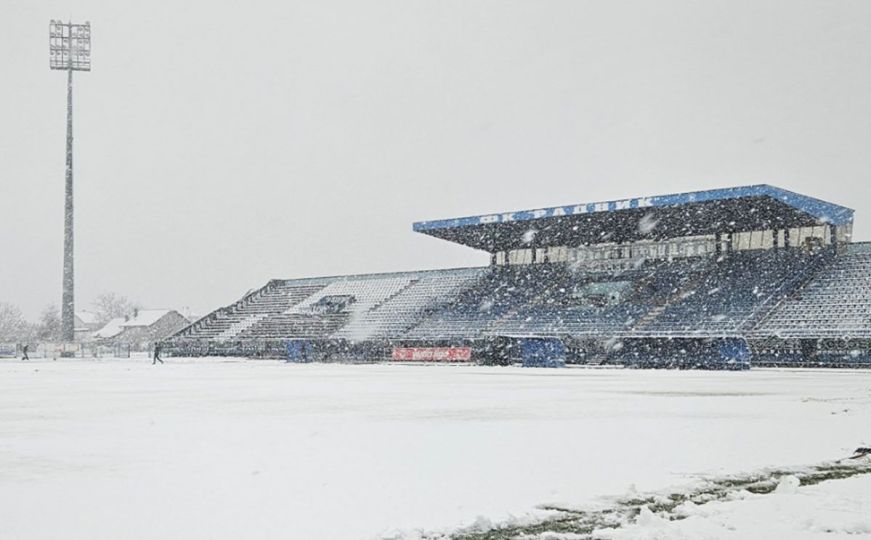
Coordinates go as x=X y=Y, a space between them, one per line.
x=559 y=211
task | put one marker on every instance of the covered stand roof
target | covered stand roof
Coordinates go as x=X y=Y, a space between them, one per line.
x=748 y=208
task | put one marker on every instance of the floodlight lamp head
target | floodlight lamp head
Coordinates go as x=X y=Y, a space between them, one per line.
x=69 y=46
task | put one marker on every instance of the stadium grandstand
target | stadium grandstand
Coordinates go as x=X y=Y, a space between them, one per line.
x=722 y=278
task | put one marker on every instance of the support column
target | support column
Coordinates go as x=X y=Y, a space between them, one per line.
x=68 y=296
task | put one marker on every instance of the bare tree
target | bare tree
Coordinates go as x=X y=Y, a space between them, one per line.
x=109 y=305
x=49 y=326
x=13 y=327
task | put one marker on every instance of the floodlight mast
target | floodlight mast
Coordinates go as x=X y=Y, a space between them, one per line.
x=69 y=50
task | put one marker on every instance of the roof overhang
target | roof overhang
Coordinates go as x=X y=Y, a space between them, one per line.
x=737 y=209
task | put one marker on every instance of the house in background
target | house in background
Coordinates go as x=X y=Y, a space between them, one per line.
x=86 y=322
x=110 y=329
x=143 y=329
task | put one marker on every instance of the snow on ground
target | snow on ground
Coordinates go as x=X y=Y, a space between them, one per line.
x=259 y=449
x=835 y=509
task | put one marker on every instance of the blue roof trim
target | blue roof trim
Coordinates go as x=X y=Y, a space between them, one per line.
x=821 y=210
x=824 y=211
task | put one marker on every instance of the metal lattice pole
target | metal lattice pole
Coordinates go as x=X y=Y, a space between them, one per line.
x=69 y=50
x=68 y=300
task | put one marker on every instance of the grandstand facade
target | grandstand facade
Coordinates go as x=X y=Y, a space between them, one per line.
x=724 y=278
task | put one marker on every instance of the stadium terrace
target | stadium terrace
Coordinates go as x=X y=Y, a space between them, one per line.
x=724 y=278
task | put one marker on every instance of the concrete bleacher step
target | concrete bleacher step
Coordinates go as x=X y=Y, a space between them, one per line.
x=649 y=317
x=237 y=328
x=830 y=303
x=409 y=306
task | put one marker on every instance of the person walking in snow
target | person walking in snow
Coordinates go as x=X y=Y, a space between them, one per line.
x=24 y=351
x=156 y=358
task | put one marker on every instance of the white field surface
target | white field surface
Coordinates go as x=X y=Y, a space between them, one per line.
x=234 y=449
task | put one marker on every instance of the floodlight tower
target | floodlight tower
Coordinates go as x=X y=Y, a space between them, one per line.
x=69 y=48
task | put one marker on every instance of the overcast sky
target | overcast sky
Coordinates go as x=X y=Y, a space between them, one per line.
x=221 y=144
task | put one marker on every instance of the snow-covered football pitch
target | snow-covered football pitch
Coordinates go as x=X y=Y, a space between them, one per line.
x=235 y=449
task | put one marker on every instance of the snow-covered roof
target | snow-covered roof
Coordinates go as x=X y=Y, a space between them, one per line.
x=87 y=317
x=112 y=328
x=146 y=317
x=737 y=209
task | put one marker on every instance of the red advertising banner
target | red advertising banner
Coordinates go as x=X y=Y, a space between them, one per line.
x=432 y=354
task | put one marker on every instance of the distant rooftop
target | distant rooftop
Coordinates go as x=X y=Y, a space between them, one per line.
x=146 y=317
x=87 y=317
x=111 y=329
